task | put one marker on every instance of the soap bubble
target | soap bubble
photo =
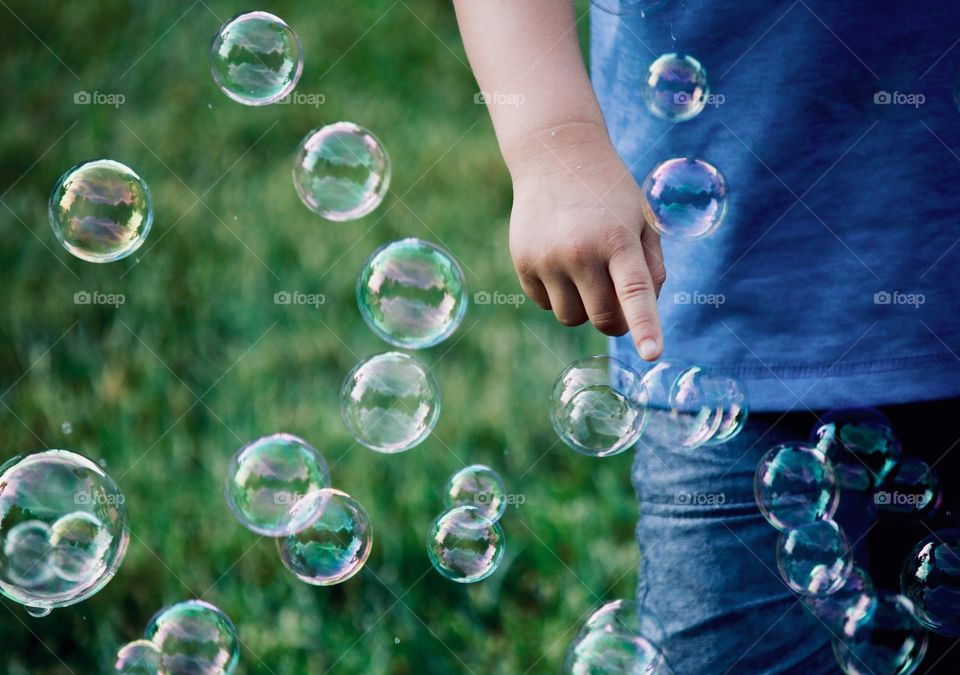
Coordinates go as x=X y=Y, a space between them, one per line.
x=676 y=88
x=140 y=657
x=861 y=443
x=734 y=408
x=617 y=638
x=678 y=413
x=195 y=637
x=101 y=211
x=598 y=406
x=341 y=171
x=390 y=402
x=411 y=294
x=685 y=198
x=914 y=490
x=63 y=529
x=814 y=559
x=465 y=545
x=886 y=640
x=256 y=59
x=795 y=485
x=270 y=480
x=480 y=486
x=850 y=604
x=930 y=579
x=335 y=545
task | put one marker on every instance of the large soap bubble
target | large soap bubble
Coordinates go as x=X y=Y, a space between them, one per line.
x=685 y=198
x=390 y=402
x=411 y=293
x=465 y=545
x=814 y=559
x=676 y=88
x=477 y=485
x=335 y=546
x=930 y=579
x=140 y=657
x=269 y=481
x=887 y=639
x=341 y=171
x=63 y=529
x=598 y=406
x=617 y=638
x=256 y=59
x=101 y=211
x=196 y=638
x=795 y=485
x=861 y=444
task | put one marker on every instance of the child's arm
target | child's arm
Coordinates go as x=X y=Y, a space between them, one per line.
x=577 y=233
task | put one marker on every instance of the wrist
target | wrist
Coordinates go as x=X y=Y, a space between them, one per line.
x=557 y=148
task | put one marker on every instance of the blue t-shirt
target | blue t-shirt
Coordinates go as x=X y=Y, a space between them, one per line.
x=835 y=278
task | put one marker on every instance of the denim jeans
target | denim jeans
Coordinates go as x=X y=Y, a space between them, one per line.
x=708 y=568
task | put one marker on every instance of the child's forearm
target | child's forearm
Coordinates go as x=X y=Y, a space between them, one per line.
x=526 y=57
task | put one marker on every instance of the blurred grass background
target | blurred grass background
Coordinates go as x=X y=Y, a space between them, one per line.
x=199 y=359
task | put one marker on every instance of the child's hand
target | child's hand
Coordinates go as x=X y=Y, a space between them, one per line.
x=578 y=237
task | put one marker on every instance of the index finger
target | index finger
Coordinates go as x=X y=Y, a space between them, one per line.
x=638 y=300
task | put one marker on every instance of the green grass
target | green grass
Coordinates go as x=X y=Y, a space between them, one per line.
x=199 y=321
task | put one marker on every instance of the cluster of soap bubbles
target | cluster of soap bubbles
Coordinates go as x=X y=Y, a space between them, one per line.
x=63 y=529
x=601 y=407
x=617 y=638
x=189 y=637
x=411 y=294
x=684 y=197
x=798 y=487
x=279 y=486
x=466 y=543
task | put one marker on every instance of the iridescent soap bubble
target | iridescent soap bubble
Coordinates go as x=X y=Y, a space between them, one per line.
x=930 y=579
x=861 y=444
x=814 y=559
x=914 y=490
x=341 y=171
x=850 y=604
x=795 y=485
x=195 y=637
x=63 y=529
x=465 y=545
x=140 y=657
x=886 y=639
x=336 y=544
x=679 y=412
x=256 y=59
x=676 y=88
x=480 y=486
x=390 y=402
x=598 y=406
x=101 y=211
x=734 y=408
x=685 y=198
x=411 y=294
x=617 y=638
x=270 y=481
